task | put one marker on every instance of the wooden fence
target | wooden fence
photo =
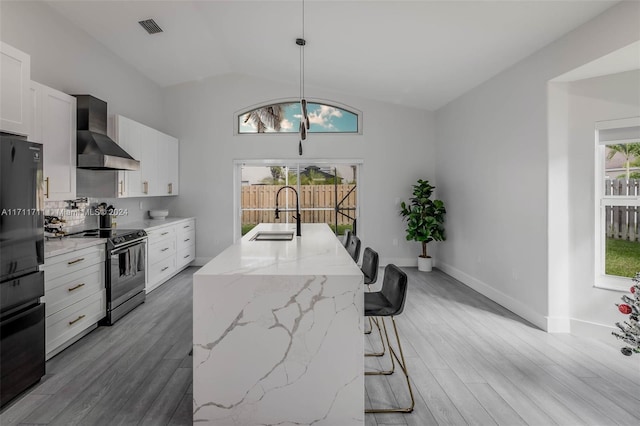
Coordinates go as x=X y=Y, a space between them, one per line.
x=623 y=221
x=314 y=197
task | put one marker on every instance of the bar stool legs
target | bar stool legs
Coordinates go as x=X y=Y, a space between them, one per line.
x=403 y=366
x=376 y=321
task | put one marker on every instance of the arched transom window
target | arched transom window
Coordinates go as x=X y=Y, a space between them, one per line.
x=284 y=117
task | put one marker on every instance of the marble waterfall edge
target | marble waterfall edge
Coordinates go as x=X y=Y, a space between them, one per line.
x=278 y=349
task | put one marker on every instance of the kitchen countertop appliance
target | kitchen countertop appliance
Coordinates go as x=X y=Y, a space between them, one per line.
x=125 y=269
x=22 y=319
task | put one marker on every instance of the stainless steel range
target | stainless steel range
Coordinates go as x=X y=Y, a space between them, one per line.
x=125 y=269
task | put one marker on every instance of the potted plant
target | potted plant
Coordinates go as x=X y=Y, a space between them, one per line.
x=425 y=220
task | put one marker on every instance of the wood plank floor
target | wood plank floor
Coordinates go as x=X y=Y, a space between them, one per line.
x=470 y=361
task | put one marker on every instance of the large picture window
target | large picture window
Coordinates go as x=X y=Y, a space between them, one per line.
x=284 y=117
x=618 y=197
x=328 y=193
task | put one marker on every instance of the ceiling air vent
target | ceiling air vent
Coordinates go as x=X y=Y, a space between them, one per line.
x=151 y=26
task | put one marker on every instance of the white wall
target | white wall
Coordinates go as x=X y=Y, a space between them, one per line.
x=492 y=171
x=396 y=147
x=68 y=59
x=595 y=99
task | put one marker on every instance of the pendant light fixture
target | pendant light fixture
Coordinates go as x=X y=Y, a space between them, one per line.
x=304 y=117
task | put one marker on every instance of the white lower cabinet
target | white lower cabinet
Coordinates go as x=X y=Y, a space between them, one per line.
x=171 y=248
x=74 y=296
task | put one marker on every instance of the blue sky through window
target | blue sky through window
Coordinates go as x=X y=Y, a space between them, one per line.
x=323 y=119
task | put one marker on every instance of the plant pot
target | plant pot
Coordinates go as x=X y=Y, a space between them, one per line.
x=425 y=264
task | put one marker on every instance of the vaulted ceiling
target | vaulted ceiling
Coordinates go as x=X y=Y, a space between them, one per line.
x=416 y=53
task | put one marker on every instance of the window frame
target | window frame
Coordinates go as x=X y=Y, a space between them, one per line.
x=602 y=280
x=350 y=109
x=291 y=163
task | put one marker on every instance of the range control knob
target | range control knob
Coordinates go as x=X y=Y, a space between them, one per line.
x=118 y=240
x=140 y=233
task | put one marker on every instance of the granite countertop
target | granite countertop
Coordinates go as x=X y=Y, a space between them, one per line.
x=316 y=252
x=152 y=223
x=58 y=246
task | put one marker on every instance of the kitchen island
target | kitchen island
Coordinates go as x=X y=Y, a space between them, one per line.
x=277 y=332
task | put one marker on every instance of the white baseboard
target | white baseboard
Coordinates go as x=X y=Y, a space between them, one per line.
x=515 y=306
x=591 y=329
x=558 y=325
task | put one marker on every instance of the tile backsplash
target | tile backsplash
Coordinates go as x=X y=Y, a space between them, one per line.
x=81 y=214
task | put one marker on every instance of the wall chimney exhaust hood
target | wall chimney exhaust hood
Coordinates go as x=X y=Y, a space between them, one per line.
x=96 y=151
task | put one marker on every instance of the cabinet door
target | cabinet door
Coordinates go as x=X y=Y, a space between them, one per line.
x=167 y=165
x=59 y=140
x=173 y=169
x=53 y=124
x=128 y=135
x=15 y=81
x=149 y=160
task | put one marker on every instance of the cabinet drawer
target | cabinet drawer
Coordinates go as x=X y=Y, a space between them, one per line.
x=162 y=268
x=69 y=289
x=161 y=249
x=188 y=226
x=159 y=234
x=186 y=239
x=186 y=255
x=63 y=264
x=68 y=322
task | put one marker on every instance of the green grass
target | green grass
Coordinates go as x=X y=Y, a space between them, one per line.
x=622 y=258
x=246 y=227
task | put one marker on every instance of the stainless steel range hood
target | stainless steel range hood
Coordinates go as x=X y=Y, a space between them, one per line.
x=95 y=150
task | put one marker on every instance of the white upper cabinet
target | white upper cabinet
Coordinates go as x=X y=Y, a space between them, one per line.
x=15 y=100
x=167 y=165
x=54 y=126
x=158 y=156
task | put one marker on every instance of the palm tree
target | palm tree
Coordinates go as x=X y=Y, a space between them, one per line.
x=266 y=117
x=628 y=151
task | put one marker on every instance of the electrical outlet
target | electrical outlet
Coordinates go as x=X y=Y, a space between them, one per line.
x=140 y=205
x=395 y=242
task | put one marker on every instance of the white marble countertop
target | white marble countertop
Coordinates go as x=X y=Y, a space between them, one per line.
x=58 y=246
x=317 y=252
x=152 y=223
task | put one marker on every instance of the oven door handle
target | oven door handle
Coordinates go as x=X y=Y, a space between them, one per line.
x=118 y=250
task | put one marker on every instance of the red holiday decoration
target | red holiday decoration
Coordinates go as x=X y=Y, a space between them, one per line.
x=629 y=331
x=624 y=308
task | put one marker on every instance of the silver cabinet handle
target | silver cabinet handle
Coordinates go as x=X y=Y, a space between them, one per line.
x=164 y=269
x=75 y=261
x=165 y=249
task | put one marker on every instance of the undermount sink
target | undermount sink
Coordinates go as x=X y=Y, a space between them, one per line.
x=273 y=236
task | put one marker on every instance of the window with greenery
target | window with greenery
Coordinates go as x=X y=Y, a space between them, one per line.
x=284 y=117
x=618 y=186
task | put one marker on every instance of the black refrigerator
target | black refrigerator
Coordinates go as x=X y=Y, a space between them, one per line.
x=22 y=326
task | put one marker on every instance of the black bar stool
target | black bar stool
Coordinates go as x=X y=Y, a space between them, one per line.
x=346 y=237
x=389 y=302
x=354 y=247
x=369 y=268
